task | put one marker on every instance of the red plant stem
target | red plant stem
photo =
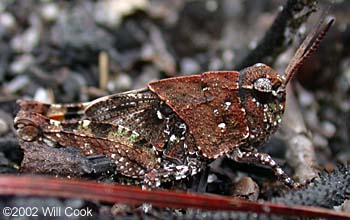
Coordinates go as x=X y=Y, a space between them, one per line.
x=108 y=193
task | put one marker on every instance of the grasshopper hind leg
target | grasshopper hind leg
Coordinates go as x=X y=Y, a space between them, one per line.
x=266 y=160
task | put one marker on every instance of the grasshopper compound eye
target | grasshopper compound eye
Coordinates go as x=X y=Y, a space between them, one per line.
x=263 y=85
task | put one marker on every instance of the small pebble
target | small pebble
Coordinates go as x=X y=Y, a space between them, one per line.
x=246 y=188
x=111 y=12
x=17 y=84
x=252 y=44
x=21 y=63
x=306 y=98
x=7 y=21
x=319 y=140
x=165 y=10
x=329 y=129
x=43 y=95
x=301 y=156
x=49 y=12
x=345 y=106
x=73 y=84
x=119 y=208
x=27 y=41
x=212 y=178
x=74 y=203
x=346 y=206
x=211 y=5
x=189 y=66
x=147 y=51
x=311 y=118
x=228 y=58
x=121 y=82
x=149 y=73
x=3 y=127
x=215 y=64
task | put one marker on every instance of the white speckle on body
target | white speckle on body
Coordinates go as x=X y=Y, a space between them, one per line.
x=173 y=138
x=55 y=122
x=86 y=123
x=227 y=105
x=216 y=112
x=259 y=64
x=222 y=125
x=159 y=115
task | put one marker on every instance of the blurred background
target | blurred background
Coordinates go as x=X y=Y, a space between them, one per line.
x=75 y=51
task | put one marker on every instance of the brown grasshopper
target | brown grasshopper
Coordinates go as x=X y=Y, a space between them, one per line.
x=169 y=129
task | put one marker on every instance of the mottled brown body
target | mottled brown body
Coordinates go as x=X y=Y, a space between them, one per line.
x=222 y=109
x=168 y=130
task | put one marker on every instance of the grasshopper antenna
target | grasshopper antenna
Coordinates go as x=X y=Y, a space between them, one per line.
x=309 y=45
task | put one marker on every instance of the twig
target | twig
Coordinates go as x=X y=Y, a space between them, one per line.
x=301 y=153
x=103 y=70
x=276 y=38
x=109 y=193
